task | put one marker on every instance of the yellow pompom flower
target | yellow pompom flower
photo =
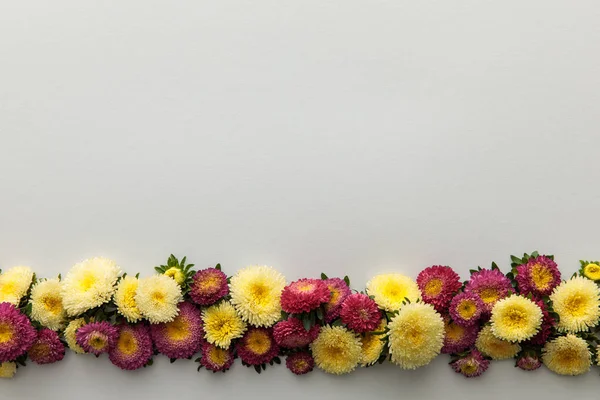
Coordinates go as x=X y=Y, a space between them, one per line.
x=372 y=345
x=493 y=347
x=222 y=324
x=46 y=304
x=577 y=303
x=177 y=274
x=8 y=369
x=567 y=355
x=592 y=271
x=416 y=335
x=14 y=284
x=157 y=297
x=390 y=290
x=71 y=331
x=89 y=284
x=336 y=350
x=125 y=298
x=516 y=318
x=256 y=292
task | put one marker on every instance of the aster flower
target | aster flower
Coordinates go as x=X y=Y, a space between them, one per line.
x=339 y=291
x=46 y=304
x=157 y=298
x=591 y=270
x=538 y=276
x=458 y=338
x=490 y=285
x=336 y=350
x=216 y=359
x=14 y=284
x=474 y=364
x=256 y=293
x=291 y=333
x=222 y=324
x=304 y=295
x=300 y=363
x=416 y=335
x=372 y=345
x=182 y=337
x=516 y=318
x=360 y=313
x=577 y=303
x=133 y=348
x=546 y=327
x=496 y=349
x=16 y=333
x=438 y=284
x=567 y=355
x=89 y=284
x=47 y=348
x=390 y=290
x=257 y=346
x=8 y=369
x=70 y=335
x=97 y=337
x=209 y=286
x=125 y=298
x=466 y=308
x=529 y=362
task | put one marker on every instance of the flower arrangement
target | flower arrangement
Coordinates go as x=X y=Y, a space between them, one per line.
x=529 y=314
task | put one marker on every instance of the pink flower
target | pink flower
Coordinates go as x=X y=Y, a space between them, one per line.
x=490 y=285
x=216 y=359
x=291 y=333
x=209 y=286
x=47 y=348
x=133 y=349
x=471 y=365
x=360 y=313
x=16 y=331
x=466 y=308
x=546 y=328
x=529 y=363
x=539 y=276
x=300 y=363
x=182 y=337
x=304 y=295
x=257 y=346
x=339 y=291
x=458 y=338
x=97 y=337
x=438 y=284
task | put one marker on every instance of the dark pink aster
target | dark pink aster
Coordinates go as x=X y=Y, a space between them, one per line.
x=257 y=346
x=539 y=276
x=182 y=337
x=490 y=285
x=97 y=337
x=133 y=349
x=216 y=359
x=458 y=338
x=339 y=291
x=209 y=286
x=16 y=333
x=360 y=313
x=474 y=364
x=300 y=363
x=529 y=363
x=466 y=308
x=546 y=328
x=438 y=284
x=304 y=295
x=47 y=348
x=291 y=333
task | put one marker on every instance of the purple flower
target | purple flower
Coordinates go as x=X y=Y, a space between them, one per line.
x=97 y=337
x=47 y=348
x=16 y=333
x=182 y=337
x=133 y=349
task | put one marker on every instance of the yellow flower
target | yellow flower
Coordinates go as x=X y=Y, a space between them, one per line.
x=46 y=304
x=89 y=284
x=567 y=355
x=372 y=345
x=255 y=293
x=14 y=284
x=577 y=303
x=157 y=297
x=125 y=298
x=515 y=318
x=222 y=324
x=592 y=271
x=71 y=331
x=390 y=290
x=336 y=350
x=416 y=335
x=493 y=347
x=8 y=369
x=177 y=274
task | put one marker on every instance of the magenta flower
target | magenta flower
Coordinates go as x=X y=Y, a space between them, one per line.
x=474 y=364
x=546 y=328
x=529 y=363
x=466 y=308
x=182 y=337
x=133 y=349
x=209 y=286
x=16 y=333
x=490 y=285
x=300 y=363
x=291 y=333
x=47 y=348
x=257 y=346
x=216 y=359
x=438 y=284
x=360 y=313
x=539 y=276
x=458 y=338
x=339 y=291
x=304 y=295
x=97 y=337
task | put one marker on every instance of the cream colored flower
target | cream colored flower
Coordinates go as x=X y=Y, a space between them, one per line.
x=46 y=304
x=157 y=298
x=390 y=290
x=125 y=298
x=14 y=284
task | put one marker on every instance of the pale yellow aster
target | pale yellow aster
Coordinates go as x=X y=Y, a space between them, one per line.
x=390 y=290
x=516 y=318
x=125 y=298
x=416 y=335
x=46 y=304
x=592 y=271
x=157 y=298
x=372 y=345
x=493 y=347
x=222 y=324
x=8 y=369
x=567 y=355
x=14 y=284
x=256 y=292
x=577 y=303
x=336 y=350
x=71 y=331
x=177 y=274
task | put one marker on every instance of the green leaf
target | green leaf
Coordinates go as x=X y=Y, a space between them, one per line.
x=320 y=313
x=306 y=322
x=277 y=360
x=218 y=266
x=347 y=280
x=159 y=270
x=257 y=368
x=323 y=276
x=515 y=260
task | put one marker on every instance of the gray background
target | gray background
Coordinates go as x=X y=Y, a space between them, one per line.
x=340 y=136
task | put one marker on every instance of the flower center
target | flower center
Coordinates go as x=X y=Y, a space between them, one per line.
x=576 y=305
x=434 y=287
x=218 y=356
x=335 y=297
x=305 y=287
x=127 y=343
x=541 y=276
x=592 y=271
x=158 y=298
x=258 y=342
x=7 y=289
x=52 y=304
x=514 y=317
x=469 y=367
x=97 y=342
x=394 y=292
x=178 y=329
x=300 y=365
x=210 y=284
x=415 y=337
x=454 y=332
x=88 y=281
x=489 y=295
x=467 y=309
x=6 y=332
x=39 y=350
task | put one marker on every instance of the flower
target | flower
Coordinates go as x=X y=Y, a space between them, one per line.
x=97 y=337
x=8 y=369
x=47 y=348
x=89 y=284
x=46 y=304
x=339 y=291
x=70 y=335
x=416 y=335
x=490 y=285
x=222 y=324
x=390 y=290
x=516 y=318
x=209 y=286
x=567 y=355
x=255 y=294
x=176 y=274
x=125 y=298
x=291 y=333
x=300 y=363
x=577 y=303
x=257 y=346
x=546 y=327
x=215 y=358
x=14 y=284
x=304 y=295
x=495 y=348
x=529 y=363
x=458 y=338
x=539 y=276
x=16 y=333
x=360 y=313
x=336 y=350
x=592 y=271
x=157 y=297
x=438 y=284
x=182 y=337
x=471 y=365
x=133 y=348
x=372 y=345
x=466 y=308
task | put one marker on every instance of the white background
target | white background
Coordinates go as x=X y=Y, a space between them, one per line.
x=340 y=136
